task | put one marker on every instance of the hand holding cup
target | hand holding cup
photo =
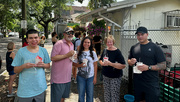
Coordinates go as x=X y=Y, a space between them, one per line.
x=85 y=62
x=135 y=68
x=106 y=60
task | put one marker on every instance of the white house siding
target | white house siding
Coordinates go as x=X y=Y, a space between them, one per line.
x=151 y=14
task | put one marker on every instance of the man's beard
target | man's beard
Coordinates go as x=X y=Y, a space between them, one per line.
x=69 y=39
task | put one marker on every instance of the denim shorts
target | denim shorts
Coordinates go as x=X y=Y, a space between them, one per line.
x=60 y=90
x=11 y=72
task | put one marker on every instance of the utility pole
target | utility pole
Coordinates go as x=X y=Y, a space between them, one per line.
x=23 y=21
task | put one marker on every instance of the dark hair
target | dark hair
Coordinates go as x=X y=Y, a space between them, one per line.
x=84 y=34
x=77 y=33
x=53 y=34
x=82 y=48
x=31 y=31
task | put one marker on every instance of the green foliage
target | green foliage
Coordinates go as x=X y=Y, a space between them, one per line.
x=72 y=24
x=100 y=23
x=93 y=4
x=8 y=14
x=97 y=28
x=40 y=27
x=78 y=28
x=44 y=10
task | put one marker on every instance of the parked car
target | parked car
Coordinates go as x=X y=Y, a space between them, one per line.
x=1 y=35
x=13 y=34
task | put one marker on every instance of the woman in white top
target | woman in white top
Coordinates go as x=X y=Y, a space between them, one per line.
x=87 y=70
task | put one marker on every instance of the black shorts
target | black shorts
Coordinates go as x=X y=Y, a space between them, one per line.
x=146 y=91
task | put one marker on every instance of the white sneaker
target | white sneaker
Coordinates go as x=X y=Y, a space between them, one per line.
x=75 y=81
x=11 y=95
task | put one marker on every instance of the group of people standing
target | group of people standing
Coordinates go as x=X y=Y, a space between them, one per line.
x=31 y=61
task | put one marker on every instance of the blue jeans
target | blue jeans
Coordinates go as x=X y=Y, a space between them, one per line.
x=85 y=85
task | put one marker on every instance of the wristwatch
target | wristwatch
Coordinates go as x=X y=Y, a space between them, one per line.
x=149 y=67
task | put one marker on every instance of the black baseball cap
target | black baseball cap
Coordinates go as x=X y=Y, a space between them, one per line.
x=141 y=30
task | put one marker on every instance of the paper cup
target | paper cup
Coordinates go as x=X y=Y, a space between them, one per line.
x=72 y=57
x=135 y=69
x=139 y=64
x=38 y=59
x=74 y=53
x=106 y=59
x=85 y=61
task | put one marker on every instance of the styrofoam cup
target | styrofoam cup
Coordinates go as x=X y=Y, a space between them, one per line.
x=85 y=61
x=135 y=69
x=106 y=59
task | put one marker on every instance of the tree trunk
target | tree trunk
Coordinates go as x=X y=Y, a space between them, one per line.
x=46 y=30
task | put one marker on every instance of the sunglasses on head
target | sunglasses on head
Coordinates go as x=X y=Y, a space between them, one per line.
x=71 y=32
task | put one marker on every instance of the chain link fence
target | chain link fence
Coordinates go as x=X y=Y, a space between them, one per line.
x=167 y=39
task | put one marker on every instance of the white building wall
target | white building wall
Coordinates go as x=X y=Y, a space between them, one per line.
x=151 y=14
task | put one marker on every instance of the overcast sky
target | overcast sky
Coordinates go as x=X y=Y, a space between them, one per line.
x=85 y=3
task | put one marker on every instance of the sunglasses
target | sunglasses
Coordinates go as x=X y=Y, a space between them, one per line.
x=71 y=32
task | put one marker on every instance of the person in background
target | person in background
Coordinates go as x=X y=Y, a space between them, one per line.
x=54 y=37
x=146 y=84
x=42 y=41
x=87 y=70
x=30 y=62
x=84 y=35
x=61 y=69
x=97 y=39
x=113 y=62
x=9 y=58
x=77 y=43
x=25 y=43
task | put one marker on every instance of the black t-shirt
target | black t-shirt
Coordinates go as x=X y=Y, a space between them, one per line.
x=149 y=54
x=98 y=45
x=114 y=56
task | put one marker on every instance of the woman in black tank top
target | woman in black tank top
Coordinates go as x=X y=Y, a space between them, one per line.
x=9 y=59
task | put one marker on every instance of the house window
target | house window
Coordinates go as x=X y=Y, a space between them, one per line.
x=172 y=19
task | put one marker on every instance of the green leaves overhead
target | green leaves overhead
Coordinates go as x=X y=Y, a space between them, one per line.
x=46 y=11
x=8 y=13
x=93 y=4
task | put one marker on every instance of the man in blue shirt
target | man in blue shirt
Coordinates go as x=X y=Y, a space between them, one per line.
x=30 y=62
x=146 y=84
